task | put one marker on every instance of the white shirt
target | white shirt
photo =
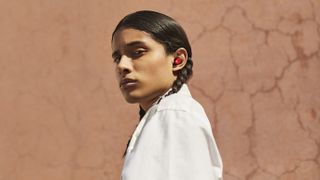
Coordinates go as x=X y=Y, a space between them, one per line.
x=173 y=141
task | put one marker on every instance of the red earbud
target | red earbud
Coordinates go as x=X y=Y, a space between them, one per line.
x=177 y=61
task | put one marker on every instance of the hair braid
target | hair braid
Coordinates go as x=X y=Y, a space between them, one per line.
x=183 y=76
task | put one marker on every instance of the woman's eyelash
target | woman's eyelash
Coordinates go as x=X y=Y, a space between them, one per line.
x=138 y=53
x=133 y=54
x=116 y=59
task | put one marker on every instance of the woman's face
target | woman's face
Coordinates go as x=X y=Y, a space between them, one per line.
x=143 y=68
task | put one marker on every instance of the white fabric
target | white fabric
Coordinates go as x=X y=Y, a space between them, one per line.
x=173 y=141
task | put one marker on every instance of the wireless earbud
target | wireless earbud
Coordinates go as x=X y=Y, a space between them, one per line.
x=177 y=61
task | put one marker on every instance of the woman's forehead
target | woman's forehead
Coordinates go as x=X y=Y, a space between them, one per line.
x=130 y=36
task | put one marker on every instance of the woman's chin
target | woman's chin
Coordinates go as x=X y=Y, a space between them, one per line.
x=130 y=98
x=131 y=101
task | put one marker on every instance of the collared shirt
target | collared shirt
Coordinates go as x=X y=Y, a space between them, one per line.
x=173 y=141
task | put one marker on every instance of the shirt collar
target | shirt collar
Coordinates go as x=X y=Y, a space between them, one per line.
x=184 y=90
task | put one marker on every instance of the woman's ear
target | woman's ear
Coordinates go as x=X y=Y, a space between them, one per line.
x=180 y=59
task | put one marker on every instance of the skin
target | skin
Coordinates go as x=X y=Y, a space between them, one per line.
x=139 y=57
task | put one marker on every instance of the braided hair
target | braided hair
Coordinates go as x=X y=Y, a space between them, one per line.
x=167 y=32
x=183 y=76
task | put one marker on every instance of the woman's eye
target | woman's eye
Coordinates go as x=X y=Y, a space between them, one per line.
x=137 y=53
x=116 y=59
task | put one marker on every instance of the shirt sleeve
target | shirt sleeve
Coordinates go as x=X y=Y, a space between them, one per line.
x=176 y=145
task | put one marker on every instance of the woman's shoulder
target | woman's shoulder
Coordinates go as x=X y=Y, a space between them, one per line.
x=182 y=106
x=180 y=101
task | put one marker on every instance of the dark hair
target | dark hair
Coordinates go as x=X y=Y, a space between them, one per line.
x=167 y=32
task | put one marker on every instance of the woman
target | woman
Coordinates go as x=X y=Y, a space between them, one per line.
x=173 y=140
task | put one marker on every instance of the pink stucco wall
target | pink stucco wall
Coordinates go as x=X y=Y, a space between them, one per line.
x=257 y=73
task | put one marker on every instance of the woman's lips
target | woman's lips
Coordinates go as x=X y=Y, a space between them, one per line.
x=127 y=83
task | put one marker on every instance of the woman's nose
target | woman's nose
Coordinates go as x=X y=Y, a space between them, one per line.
x=124 y=66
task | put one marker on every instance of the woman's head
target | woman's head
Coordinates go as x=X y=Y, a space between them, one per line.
x=145 y=45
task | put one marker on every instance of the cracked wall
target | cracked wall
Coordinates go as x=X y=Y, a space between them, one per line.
x=257 y=74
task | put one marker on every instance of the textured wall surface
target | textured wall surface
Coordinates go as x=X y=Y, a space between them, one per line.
x=257 y=73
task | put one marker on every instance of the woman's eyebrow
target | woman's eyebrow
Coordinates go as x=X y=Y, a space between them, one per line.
x=130 y=44
x=135 y=43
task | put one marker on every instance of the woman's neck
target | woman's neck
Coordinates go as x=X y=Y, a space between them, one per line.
x=148 y=104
